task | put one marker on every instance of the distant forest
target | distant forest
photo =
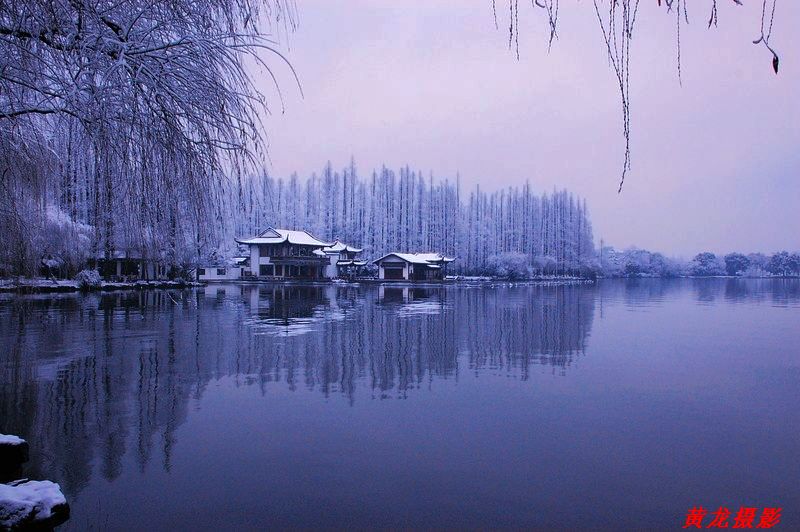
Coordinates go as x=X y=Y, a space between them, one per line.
x=507 y=230
x=636 y=262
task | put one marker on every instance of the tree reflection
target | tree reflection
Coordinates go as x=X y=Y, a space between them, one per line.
x=87 y=379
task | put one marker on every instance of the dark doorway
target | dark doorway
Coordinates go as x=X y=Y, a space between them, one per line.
x=393 y=272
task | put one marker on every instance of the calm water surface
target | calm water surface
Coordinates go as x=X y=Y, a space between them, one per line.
x=621 y=404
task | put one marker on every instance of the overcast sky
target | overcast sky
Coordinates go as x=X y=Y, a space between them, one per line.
x=432 y=84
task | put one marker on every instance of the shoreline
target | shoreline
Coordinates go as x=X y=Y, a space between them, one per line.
x=49 y=286
x=44 y=286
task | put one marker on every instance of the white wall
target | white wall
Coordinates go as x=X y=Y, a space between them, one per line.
x=391 y=261
x=231 y=273
x=331 y=271
x=254 y=259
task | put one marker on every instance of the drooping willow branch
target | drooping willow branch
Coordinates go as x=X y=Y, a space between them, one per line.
x=148 y=104
x=616 y=19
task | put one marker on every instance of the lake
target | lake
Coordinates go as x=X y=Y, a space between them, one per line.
x=617 y=404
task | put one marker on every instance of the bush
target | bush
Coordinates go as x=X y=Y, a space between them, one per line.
x=784 y=264
x=706 y=264
x=736 y=263
x=509 y=265
x=88 y=279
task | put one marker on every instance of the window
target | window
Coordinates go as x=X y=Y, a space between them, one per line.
x=266 y=269
x=220 y=271
x=201 y=271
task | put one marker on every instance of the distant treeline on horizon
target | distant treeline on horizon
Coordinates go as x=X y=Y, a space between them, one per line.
x=514 y=232
x=636 y=262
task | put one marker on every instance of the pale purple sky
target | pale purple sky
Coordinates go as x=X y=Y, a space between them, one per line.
x=432 y=84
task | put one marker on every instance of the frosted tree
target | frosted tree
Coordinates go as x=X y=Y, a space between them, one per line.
x=404 y=211
x=129 y=116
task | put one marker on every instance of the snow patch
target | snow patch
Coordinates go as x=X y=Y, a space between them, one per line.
x=13 y=452
x=30 y=501
x=9 y=439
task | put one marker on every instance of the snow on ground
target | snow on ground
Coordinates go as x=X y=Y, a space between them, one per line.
x=49 y=285
x=30 y=501
x=8 y=439
x=13 y=452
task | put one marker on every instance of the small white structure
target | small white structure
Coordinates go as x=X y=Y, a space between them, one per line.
x=343 y=262
x=232 y=272
x=412 y=266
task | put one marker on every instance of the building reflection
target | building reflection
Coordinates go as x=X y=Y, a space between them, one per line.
x=89 y=379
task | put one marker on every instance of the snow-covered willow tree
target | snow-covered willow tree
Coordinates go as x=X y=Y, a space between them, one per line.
x=409 y=212
x=127 y=116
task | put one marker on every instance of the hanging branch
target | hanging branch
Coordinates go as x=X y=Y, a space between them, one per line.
x=616 y=24
x=765 y=35
x=160 y=95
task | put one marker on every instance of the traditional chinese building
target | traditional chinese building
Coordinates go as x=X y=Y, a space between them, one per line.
x=286 y=254
x=343 y=261
x=413 y=266
x=231 y=271
x=128 y=266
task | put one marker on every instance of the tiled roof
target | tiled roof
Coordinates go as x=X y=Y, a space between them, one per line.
x=419 y=258
x=279 y=236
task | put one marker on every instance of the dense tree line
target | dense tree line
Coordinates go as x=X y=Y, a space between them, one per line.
x=635 y=262
x=508 y=230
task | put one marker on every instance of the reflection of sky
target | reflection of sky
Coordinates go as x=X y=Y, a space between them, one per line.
x=686 y=395
x=293 y=326
x=417 y=308
x=433 y=85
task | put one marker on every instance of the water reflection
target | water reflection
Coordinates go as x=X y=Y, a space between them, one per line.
x=87 y=378
x=650 y=292
x=101 y=384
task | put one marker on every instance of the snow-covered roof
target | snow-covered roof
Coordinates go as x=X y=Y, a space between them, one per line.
x=351 y=263
x=338 y=246
x=419 y=258
x=279 y=236
x=435 y=257
x=120 y=254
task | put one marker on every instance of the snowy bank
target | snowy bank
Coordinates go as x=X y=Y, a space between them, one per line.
x=13 y=451
x=27 y=286
x=32 y=502
x=9 y=439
